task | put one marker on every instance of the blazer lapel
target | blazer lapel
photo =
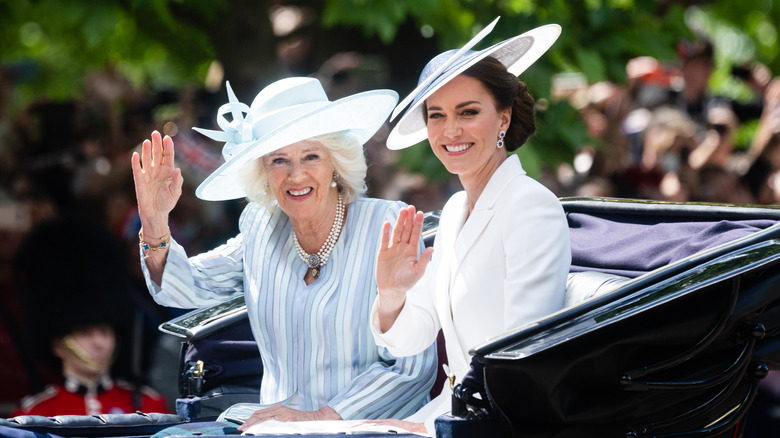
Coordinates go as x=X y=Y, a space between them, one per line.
x=446 y=237
x=483 y=211
x=469 y=234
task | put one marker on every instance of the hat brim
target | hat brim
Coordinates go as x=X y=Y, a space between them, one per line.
x=517 y=54
x=360 y=115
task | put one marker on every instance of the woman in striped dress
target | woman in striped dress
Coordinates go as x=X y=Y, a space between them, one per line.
x=305 y=256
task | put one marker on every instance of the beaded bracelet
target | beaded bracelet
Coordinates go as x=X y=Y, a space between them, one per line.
x=166 y=239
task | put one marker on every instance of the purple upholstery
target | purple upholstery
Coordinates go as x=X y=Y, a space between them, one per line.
x=617 y=245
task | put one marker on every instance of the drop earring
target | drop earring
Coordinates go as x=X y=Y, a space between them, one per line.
x=500 y=142
x=335 y=179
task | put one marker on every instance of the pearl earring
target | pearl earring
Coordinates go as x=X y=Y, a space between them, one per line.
x=335 y=179
x=500 y=142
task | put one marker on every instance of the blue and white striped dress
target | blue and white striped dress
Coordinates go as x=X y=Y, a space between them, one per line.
x=315 y=340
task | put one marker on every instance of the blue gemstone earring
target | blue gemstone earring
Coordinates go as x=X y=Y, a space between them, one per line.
x=500 y=142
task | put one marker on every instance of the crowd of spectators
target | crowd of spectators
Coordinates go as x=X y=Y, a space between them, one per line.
x=665 y=136
x=661 y=136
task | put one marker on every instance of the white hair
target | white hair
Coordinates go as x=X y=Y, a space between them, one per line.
x=347 y=156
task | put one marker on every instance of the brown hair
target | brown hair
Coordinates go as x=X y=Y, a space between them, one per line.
x=508 y=92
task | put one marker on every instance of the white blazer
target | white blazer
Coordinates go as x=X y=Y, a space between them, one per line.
x=505 y=267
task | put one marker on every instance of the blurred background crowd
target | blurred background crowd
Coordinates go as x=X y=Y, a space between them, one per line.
x=667 y=100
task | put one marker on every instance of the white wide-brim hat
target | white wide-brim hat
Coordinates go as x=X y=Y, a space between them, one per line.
x=286 y=112
x=516 y=53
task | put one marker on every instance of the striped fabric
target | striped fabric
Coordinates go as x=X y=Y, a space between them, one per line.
x=314 y=340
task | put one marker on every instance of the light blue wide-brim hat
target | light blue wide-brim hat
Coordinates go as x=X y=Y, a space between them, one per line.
x=516 y=53
x=286 y=112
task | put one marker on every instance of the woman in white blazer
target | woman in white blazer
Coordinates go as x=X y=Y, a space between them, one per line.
x=502 y=250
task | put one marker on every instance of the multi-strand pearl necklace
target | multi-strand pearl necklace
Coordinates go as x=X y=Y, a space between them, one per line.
x=315 y=261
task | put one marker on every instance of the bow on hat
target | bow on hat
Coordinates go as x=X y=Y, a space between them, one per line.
x=236 y=133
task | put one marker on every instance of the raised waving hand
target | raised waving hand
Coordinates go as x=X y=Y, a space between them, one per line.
x=157 y=183
x=398 y=267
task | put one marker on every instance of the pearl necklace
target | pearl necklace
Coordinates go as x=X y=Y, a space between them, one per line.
x=315 y=261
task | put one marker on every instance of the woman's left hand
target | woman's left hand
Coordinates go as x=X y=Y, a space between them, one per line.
x=398 y=264
x=283 y=413
x=398 y=267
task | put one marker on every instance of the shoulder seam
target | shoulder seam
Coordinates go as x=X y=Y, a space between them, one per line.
x=35 y=399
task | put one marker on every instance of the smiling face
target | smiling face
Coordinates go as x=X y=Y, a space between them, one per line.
x=463 y=125
x=300 y=176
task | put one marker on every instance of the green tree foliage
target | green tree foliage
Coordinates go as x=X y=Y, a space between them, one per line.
x=55 y=44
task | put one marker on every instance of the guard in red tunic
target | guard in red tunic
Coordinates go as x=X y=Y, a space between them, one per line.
x=72 y=280
x=86 y=356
